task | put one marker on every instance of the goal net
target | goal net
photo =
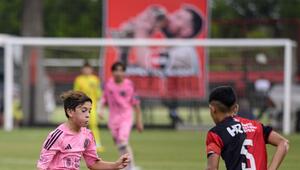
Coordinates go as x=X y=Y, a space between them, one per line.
x=171 y=77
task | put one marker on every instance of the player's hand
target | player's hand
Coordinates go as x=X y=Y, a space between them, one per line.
x=101 y=115
x=139 y=126
x=123 y=161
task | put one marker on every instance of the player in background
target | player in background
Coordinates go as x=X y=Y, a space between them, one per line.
x=120 y=97
x=240 y=142
x=65 y=145
x=89 y=84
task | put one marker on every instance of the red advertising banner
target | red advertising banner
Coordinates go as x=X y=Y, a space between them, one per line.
x=159 y=72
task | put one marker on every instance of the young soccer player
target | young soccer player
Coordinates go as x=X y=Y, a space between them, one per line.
x=240 y=142
x=65 y=145
x=120 y=97
x=89 y=84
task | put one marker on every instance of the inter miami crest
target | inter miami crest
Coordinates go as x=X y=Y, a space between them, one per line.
x=123 y=93
x=86 y=143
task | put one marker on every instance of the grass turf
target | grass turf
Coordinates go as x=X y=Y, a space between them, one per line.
x=154 y=149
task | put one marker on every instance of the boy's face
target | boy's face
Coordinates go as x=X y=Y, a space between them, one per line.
x=80 y=116
x=119 y=73
x=87 y=70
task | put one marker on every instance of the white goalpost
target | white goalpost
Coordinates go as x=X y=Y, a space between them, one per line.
x=9 y=43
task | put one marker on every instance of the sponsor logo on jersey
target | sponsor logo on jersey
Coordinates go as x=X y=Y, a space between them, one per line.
x=68 y=147
x=249 y=127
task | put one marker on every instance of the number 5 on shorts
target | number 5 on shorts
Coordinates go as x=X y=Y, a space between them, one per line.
x=249 y=156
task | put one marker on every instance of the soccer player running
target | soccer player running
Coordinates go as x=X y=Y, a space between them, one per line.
x=71 y=140
x=119 y=95
x=240 y=142
x=89 y=84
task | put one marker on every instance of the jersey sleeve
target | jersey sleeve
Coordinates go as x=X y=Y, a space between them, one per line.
x=134 y=97
x=90 y=153
x=266 y=131
x=104 y=100
x=214 y=144
x=135 y=100
x=50 y=147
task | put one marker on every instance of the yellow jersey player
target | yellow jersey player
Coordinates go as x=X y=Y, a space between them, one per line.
x=89 y=84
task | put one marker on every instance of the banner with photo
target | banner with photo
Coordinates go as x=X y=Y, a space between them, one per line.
x=159 y=72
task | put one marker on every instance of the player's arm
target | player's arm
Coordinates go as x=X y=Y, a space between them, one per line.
x=213 y=162
x=121 y=163
x=93 y=162
x=102 y=104
x=214 y=147
x=101 y=108
x=135 y=102
x=98 y=89
x=76 y=85
x=50 y=148
x=45 y=159
x=282 y=145
x=138 y=117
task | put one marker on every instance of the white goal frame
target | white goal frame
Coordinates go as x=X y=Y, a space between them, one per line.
x=8 y=43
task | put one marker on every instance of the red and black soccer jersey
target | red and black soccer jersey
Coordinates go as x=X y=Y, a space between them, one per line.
x=240 y=142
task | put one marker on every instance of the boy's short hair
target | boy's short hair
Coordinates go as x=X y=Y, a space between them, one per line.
x=72 y=99
x=224 y=95
x=116 y=65
x=86 y=64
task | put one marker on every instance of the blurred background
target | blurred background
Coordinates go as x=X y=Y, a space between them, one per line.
x=171 y=82
x=172 y=97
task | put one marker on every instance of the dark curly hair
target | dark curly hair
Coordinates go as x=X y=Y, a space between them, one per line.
x=72 y=99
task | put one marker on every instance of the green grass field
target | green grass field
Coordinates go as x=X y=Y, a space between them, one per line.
x=154 y=149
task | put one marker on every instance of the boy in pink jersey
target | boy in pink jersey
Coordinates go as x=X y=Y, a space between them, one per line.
x=65 y=145
x=120 y=97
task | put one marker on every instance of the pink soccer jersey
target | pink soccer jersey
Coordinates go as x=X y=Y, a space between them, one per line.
x=63 y=149
x=120 y=98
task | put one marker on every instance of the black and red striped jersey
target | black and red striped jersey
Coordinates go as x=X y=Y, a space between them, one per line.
x=240 y=142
